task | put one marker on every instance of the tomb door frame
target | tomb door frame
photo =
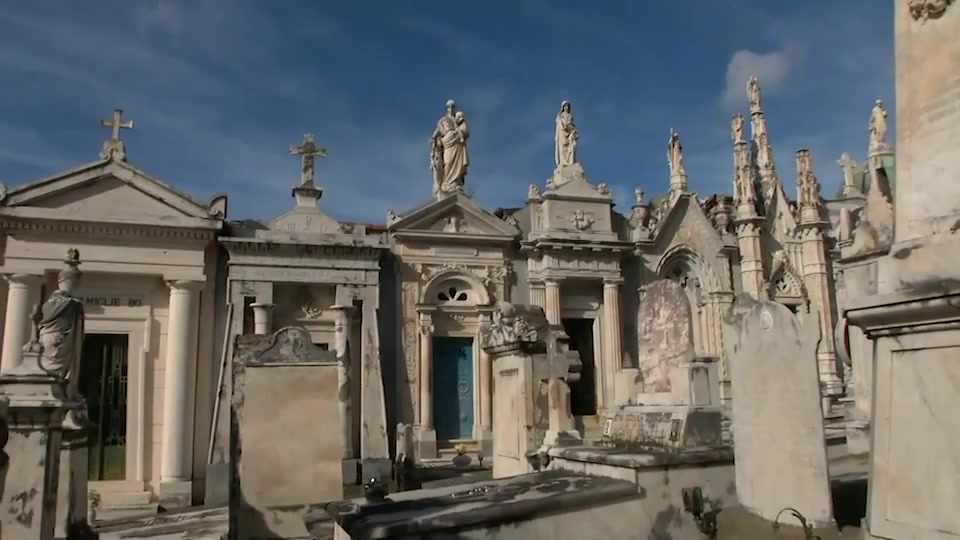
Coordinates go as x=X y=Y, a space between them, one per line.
x=138 y=328
x=447 y=349
x=458 y=316
x=575 y=308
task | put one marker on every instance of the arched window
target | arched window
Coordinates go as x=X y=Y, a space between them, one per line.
x=454 y=293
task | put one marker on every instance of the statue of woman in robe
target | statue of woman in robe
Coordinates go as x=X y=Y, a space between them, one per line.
x=60 y=328
x=566 y=137
x=449 y=147
x=878 y=125
x=675 y=155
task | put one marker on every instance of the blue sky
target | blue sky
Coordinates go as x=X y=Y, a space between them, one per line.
x=220 y=89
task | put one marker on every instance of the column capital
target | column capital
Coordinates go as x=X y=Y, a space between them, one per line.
x=23 y=279
x=263 y=305
x=551 y=282
x=184 y=285
x=612 y=283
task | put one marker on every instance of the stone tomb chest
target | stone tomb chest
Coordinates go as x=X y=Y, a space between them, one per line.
x=662 y=427
x=553 y=504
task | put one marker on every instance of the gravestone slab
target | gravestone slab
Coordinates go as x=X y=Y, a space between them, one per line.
x=551 y=504
x=666 y=334
x=777 y=420
x=663 y=427
x=285 y=447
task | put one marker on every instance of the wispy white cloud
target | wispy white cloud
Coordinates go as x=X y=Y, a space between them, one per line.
x=773 y=68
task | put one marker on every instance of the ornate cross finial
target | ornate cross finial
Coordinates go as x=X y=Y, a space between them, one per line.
x=308 y=152
x=113 y=148
x=847 y=165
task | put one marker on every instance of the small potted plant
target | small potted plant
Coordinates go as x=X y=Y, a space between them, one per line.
x=461 y=460
x=93 y=505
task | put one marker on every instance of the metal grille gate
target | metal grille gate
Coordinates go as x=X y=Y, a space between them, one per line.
x=103 y=382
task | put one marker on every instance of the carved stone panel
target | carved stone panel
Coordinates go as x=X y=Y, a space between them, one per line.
x=666 y=334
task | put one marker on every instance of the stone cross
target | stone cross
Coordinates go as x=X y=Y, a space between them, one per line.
x=308 y=152
x=563 y=367
x=847 y=164
x=113 y=147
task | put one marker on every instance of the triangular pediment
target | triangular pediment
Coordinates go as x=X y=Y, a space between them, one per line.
x=686 y=224
x=114 y=190
x=571 y=182
x=454 y=215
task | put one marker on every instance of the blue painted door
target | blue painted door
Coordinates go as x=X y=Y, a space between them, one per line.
x=453 y=387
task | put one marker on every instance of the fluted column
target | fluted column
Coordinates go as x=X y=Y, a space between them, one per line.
x=177 y=417
x=341 y=339
x=23 y=291
x=552 y=307
x=426 y=371
x=262 y=318
x=612 y=323
x=486 y=391
x=538 y=295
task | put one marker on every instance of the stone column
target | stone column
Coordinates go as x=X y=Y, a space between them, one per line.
x=426 y=435
x=175 y=465
x=552 y=307
x=374 y=446
x=262 y=318
x=72 y=489
x=485 y=426
x=33 y=436
x=426 y=371
x=341 y=339
x=611 y=316
x=538 y=296
x=23 y=293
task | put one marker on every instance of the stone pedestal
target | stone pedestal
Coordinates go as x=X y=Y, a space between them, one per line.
x=36 y=410
x=425 y=443
x=531 y=399
x=916 y=438
x=262 y=318
x=72 y=493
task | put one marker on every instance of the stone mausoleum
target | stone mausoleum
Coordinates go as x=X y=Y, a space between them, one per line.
x=170 y=281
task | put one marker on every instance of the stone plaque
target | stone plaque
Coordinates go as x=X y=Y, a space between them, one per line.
x=666 y=333
x=662 y=428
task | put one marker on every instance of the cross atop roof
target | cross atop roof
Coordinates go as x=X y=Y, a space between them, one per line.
x=308 y=152
x=113 y=148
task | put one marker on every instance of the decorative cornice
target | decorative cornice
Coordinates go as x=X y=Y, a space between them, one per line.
x=248 y=247
x=14 y=225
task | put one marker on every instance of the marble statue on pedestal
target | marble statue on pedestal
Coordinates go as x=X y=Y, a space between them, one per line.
x=449 y=158
x=675 y=155
x=878 y=126
x=566 y=137
x=60 y=326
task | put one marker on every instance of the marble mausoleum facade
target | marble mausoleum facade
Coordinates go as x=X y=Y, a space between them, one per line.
x=171 y=281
